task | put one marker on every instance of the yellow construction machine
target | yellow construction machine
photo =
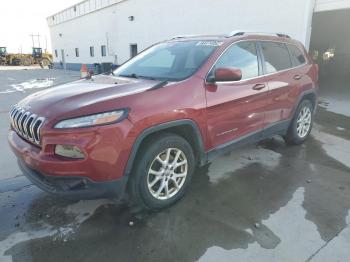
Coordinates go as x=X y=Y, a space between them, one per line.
x=37 y=57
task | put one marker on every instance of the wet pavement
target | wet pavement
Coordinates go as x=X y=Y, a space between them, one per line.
x=266 y=202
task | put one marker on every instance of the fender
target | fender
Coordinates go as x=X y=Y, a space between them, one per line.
x=302 y=96
x=197 y=138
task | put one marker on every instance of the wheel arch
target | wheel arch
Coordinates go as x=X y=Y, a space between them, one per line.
x=310 y=95
x=185 y=128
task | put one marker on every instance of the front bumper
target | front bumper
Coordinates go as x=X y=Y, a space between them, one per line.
x=101 y=173
x=74 y=187
x=105 y=148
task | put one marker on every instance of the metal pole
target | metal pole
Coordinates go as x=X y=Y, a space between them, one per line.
x=45 y=44
x=32 y=36
x=38 y=39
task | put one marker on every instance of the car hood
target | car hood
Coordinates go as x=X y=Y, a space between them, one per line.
x=82 y=94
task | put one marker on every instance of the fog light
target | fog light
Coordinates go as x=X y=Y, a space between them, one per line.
x=69 y=151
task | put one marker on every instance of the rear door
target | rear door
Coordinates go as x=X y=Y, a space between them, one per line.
x=236 y=109
x=302 y=71
x=279 y=76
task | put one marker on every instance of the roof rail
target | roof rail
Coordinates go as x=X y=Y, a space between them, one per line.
x=183 y=36
x=240 y=33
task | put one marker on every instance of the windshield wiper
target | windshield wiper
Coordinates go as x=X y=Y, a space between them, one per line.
x=159 y=85
x=130 y=76
x=133 y=75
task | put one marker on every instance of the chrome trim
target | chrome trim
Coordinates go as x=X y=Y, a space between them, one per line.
x=227 y=132
x=26 y=124
x=18 y=116
x=31 y=128
x=260 y=76
x=37 y=130
x=19 y=123
x=22 y=123
x=12 y=112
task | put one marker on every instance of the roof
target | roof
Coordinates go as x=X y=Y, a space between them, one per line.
x=80 y=9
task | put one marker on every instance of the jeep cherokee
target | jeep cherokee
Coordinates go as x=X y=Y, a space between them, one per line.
x=176 y=106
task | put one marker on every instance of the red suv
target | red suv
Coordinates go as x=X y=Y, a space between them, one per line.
x=177 y=105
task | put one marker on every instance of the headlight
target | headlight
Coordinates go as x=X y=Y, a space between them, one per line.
x=93 y=120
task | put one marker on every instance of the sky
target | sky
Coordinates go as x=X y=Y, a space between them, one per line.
x=21 y=18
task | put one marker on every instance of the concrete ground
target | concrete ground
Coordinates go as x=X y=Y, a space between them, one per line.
x=266 y=202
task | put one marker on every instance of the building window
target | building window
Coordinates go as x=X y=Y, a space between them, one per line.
x=133 y=50
x=77 y=52
x=103 y=50
x=56 y=54
x=92 y=51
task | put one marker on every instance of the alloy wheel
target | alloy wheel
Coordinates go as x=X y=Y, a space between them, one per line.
x=167 y=173
x=304 y=122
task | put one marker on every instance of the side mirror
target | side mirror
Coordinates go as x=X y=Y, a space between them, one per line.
x=227 y=74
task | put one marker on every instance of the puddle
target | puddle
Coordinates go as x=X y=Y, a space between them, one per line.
x=223 y=167
x=338 y=247
x=31 y=84
x=337 y=106
x=336 y=147
x=339 y=128
x=80 y=211
x=289 y=221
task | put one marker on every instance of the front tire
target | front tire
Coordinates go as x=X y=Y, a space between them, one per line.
x=301 y=125
x=163 y=172
x=45 y=63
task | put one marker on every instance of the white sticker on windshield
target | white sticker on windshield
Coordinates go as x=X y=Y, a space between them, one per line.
x=210 y=43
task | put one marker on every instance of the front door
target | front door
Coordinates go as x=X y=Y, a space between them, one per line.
x=236 y=109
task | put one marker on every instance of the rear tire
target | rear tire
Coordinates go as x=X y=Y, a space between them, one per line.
x=163 y=172
x=301 y=125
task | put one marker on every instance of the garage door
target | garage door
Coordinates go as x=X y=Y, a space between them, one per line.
x=328 y=5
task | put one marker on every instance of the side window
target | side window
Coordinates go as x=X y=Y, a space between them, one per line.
x=276 y=56
x=242 y=55
x=296 y=55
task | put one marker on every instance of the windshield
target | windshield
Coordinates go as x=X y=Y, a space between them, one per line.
x=169 y=61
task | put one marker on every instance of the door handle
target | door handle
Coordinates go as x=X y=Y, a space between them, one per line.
x=259 y=86
x=298 y=77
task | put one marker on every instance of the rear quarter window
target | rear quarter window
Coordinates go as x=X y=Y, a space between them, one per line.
x=276 y=56
x=296 y=55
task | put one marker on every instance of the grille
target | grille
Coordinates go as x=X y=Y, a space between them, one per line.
x=26 y=124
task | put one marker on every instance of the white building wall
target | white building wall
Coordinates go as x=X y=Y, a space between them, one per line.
x=157 y=20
